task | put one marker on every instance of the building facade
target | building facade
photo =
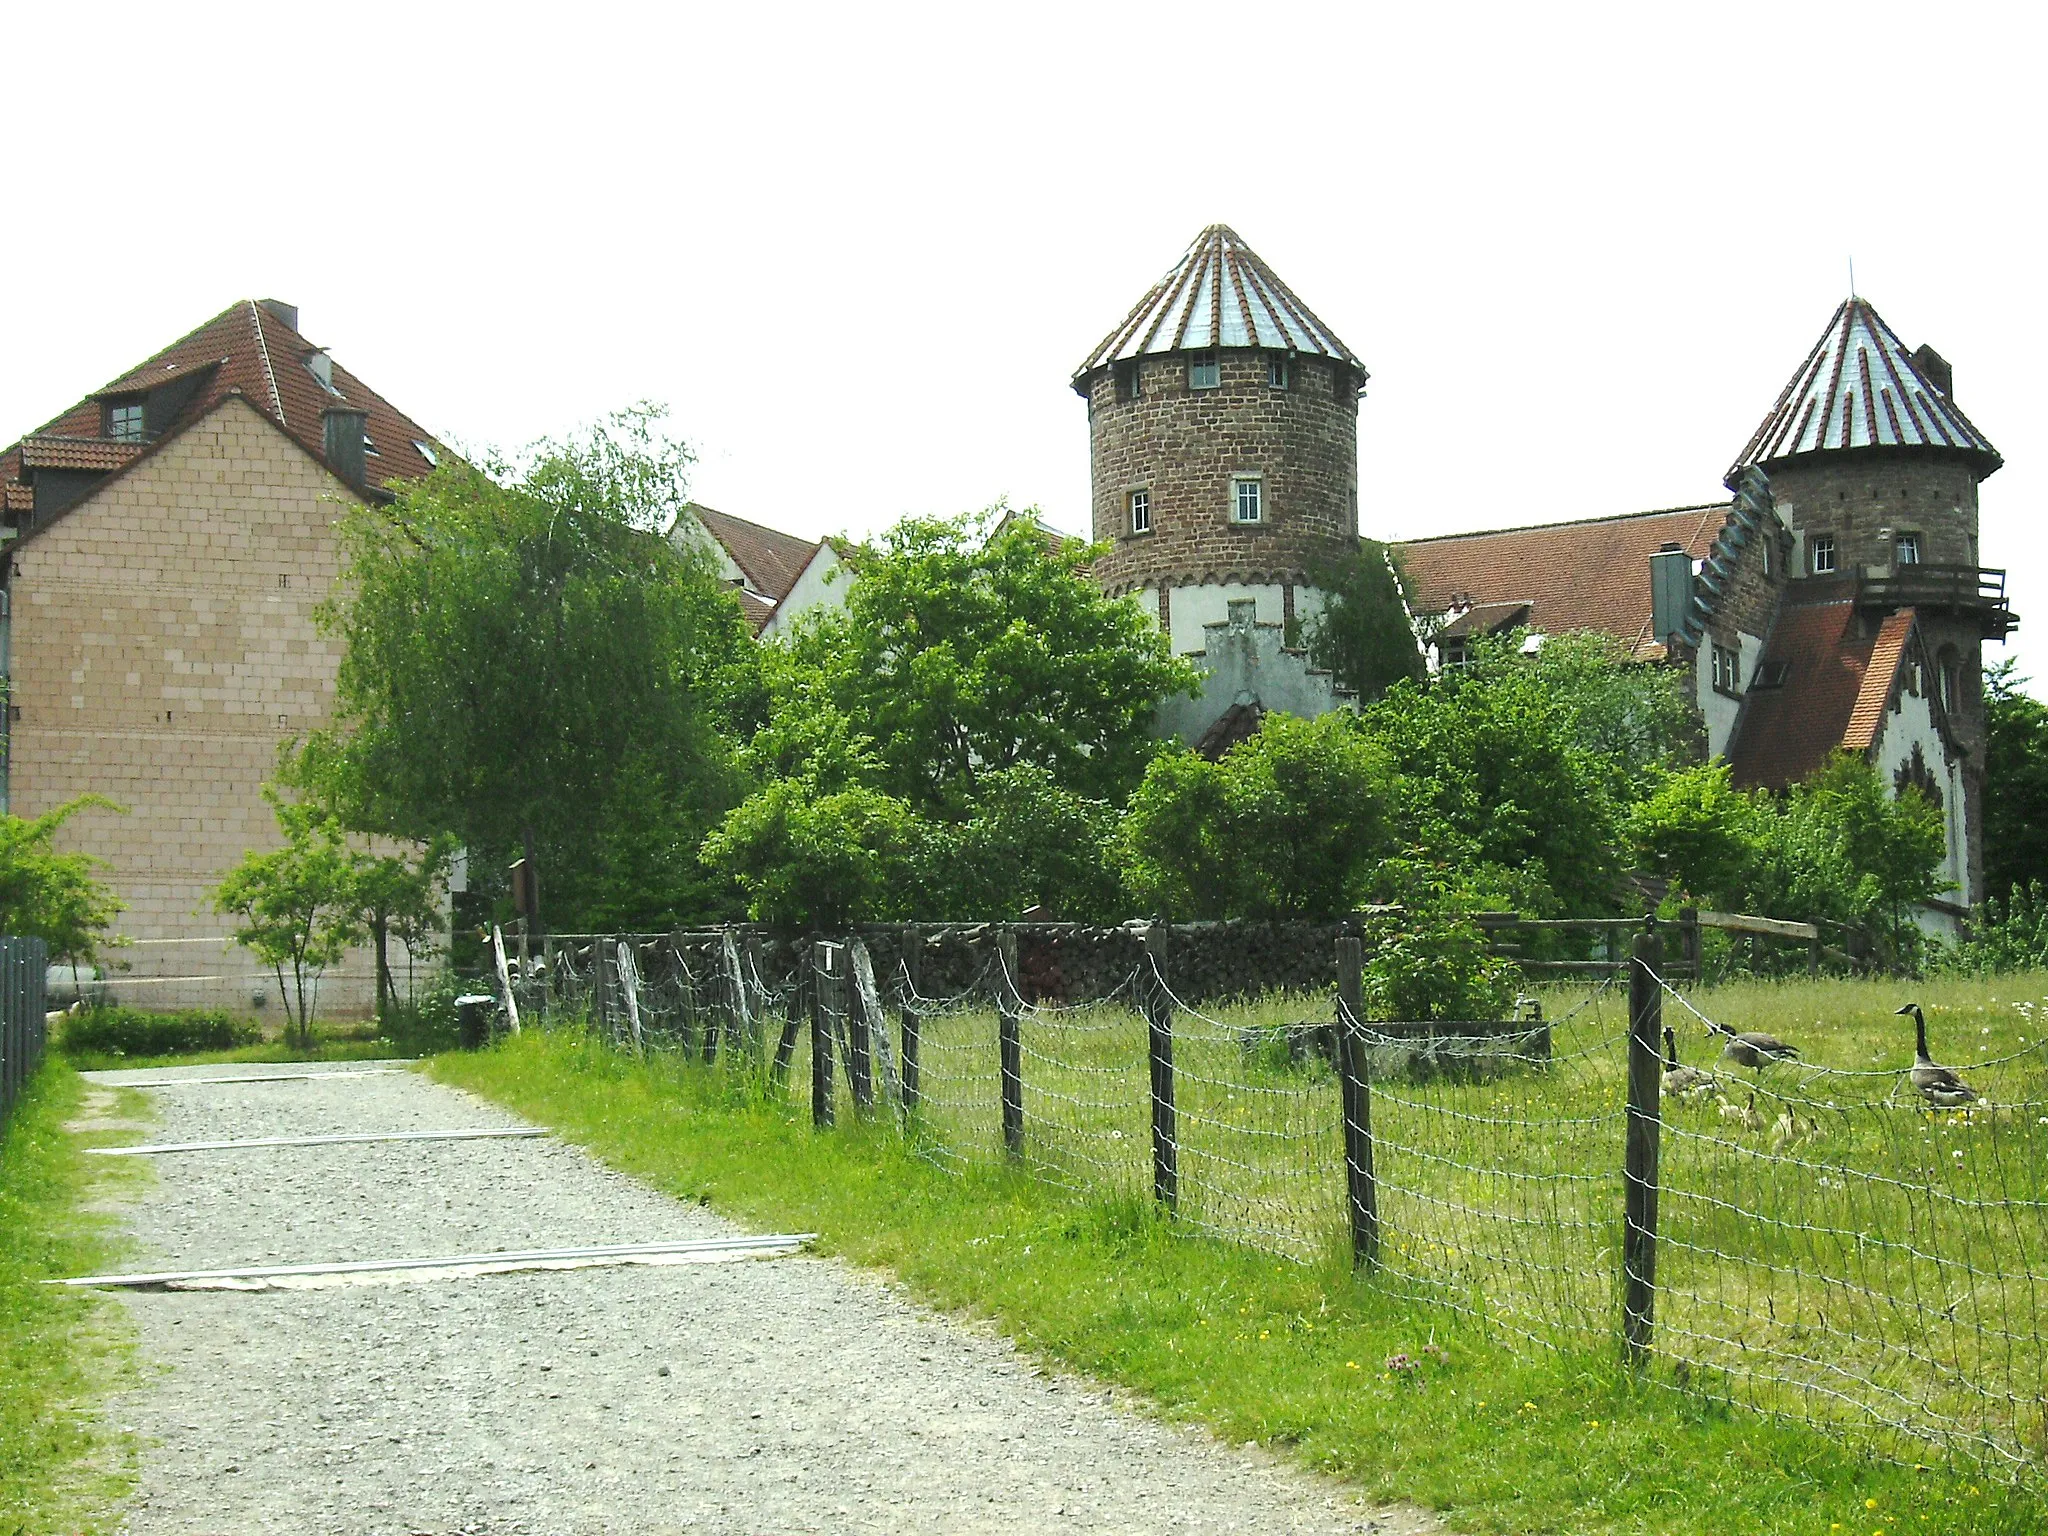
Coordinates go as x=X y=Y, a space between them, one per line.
x=1833 y=603
x=169 y=539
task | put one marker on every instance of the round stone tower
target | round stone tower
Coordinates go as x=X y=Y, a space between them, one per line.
x=1875 y=470
x=1223 y=428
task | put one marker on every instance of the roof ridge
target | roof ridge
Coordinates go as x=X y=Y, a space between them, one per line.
x=263 y=351
x=1566 y=522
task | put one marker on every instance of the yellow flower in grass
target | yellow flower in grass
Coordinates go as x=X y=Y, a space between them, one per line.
x=1870 y=1503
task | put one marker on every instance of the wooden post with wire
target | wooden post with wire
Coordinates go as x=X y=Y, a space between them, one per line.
x=1158 y=1009
x=1645 y=1088
x=826 y=960
x=1010 y=1045
x=913 y=1021
x=1360 y=1183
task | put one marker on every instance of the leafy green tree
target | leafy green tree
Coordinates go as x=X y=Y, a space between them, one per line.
x=398 y=896
x=2016 y=783
x=963 y=653
x=54 y=896
x=1287 y=824
x=298 y=907
x=525 y=652
x=1499 y=766
x=1428 y=959
x=810 y=857
x=1364 y=635
x=1699 y=832
x=1028 y=842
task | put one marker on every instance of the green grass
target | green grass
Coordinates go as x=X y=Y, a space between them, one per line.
x=61 y=1467
x=1291 y=1354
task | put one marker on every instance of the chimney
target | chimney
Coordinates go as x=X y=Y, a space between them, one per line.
x=277 y=309
x=342 y=428
x=1670 y=592
x=1935 y=369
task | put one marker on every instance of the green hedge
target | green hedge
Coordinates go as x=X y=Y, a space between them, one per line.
x=131 y=1032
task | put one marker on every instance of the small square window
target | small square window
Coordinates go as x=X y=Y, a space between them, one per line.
x=1141 y=511
x=1906 y=549
x=1823 y=554
x=1203 y=372
x=124 y=421
x=1276 y=371
x=1247 y=501
x=1128 y=384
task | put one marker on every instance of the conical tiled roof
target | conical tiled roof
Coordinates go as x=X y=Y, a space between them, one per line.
x=1861 y=388
x=1220 y=294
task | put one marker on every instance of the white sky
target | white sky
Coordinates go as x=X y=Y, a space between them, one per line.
x=860 y=250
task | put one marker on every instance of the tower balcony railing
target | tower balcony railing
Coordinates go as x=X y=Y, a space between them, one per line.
x=1971 y=589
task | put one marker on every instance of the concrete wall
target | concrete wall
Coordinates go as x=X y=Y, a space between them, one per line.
x=163 y=647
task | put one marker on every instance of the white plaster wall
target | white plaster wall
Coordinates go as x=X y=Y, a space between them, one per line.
x=823 y=583
x=1719 y=709
x=1245 y=662
x=1196 y=607
x=1910 y=726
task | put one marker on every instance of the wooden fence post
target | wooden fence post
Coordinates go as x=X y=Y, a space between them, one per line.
x=824 y=960
x=504 y=978
x=860 y=1046
x=1158 y=1007
x=1645 y=1085
x=711 y=1020
x=1691 y=956
x=913 y=1022
x=629 y=983
x=802 y=998
x=1360 y=1183
x=1010 y=1044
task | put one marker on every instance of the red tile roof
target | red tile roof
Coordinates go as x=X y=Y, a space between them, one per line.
x=250 y=350
x=1824 y=682
x=1584 y=575
x=76 y=452
x=771 y=560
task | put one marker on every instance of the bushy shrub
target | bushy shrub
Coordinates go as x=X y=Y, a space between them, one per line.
x=132 y=1032
x=2009 y=935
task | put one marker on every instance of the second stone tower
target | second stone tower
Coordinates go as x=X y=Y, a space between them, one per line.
x=1223 y=430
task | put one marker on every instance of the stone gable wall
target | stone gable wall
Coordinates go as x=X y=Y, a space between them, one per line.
x=1184 y=445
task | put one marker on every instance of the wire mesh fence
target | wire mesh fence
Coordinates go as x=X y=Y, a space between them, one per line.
x=1813 y=1241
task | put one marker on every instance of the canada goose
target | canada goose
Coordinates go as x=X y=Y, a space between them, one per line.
x=1754 y=1049
x=1937 y=1085
x=1682 y=1082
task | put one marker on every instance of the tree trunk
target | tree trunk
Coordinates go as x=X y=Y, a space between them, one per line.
x=386 y=992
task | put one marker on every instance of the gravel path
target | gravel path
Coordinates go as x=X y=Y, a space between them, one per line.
x=789 y=1394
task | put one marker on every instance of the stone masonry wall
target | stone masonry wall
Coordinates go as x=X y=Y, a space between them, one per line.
x=163 y=646
x=1183 y=446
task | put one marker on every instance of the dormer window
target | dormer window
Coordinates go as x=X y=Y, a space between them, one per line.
x=321 y=366
x=125 y=421
x=1203 y=372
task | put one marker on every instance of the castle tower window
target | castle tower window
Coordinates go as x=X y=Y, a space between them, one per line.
x=1141 y=511
x=1203 y=372
x=1128 y=385
x=1823 y=554
x=1247 y=499
x=1906 y=549
x=1276 y=371
x=124 y=421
